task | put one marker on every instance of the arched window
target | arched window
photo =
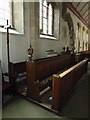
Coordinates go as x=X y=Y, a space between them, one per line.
x=50 y=19
x=46 y=18
x=87 y=37
x=79 y=36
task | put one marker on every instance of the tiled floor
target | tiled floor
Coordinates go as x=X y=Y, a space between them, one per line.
x=21 y=108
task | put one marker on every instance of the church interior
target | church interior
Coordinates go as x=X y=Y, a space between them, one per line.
x=44 y=58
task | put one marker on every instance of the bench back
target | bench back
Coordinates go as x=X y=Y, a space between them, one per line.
x=86 y=54
x=63 y=83
x=40 y=69
x=16 y=68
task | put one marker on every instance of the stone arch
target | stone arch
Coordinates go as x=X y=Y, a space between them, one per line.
x=71 y=29
x=67 y=17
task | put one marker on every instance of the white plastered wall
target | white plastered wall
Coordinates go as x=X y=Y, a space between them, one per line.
x=20 y=43
x=41 y=45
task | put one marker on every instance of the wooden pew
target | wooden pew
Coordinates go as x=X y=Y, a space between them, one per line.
x=17 y=74
x=16 y=68
x=63 y=83
x=39 y=70
x=86 y=54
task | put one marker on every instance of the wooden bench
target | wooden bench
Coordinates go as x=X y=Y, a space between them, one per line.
x=17 y=74
x=86 y=54
x=6 y=87
x=39 y=70
x=62 y=84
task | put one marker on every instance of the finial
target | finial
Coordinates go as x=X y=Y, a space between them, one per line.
x=30 y=52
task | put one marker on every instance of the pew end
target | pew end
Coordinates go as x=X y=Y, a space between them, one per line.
x=64 y=83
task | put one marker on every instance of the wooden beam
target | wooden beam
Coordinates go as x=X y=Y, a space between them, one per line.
x=78 y=4
x=87 y=16
x=72 y=8
x=86 y=11
x=83 y=6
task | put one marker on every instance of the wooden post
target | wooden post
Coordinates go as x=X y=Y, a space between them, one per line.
x=7 y=27
x=8 y=56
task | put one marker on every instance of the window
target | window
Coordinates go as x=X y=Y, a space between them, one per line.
x=5 y=12
x=13 y=12
x=46 y=18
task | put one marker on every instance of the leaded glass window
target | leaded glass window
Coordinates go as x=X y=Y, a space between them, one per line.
x=46 y=18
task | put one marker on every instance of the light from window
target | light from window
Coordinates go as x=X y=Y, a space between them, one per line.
x=46 y=17
x=50 y=19
x=5 y=12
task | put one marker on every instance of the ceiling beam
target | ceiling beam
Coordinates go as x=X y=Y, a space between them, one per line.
x=78 y=4
x=88 y=17
x=83 y=6
x=86 y=11
x=73 y=9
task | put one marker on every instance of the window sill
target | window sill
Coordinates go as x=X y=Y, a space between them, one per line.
x=48 y=37
x=12 y=31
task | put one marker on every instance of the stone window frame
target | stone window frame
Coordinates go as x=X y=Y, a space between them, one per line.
x=56 y=23
x=42 y=16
